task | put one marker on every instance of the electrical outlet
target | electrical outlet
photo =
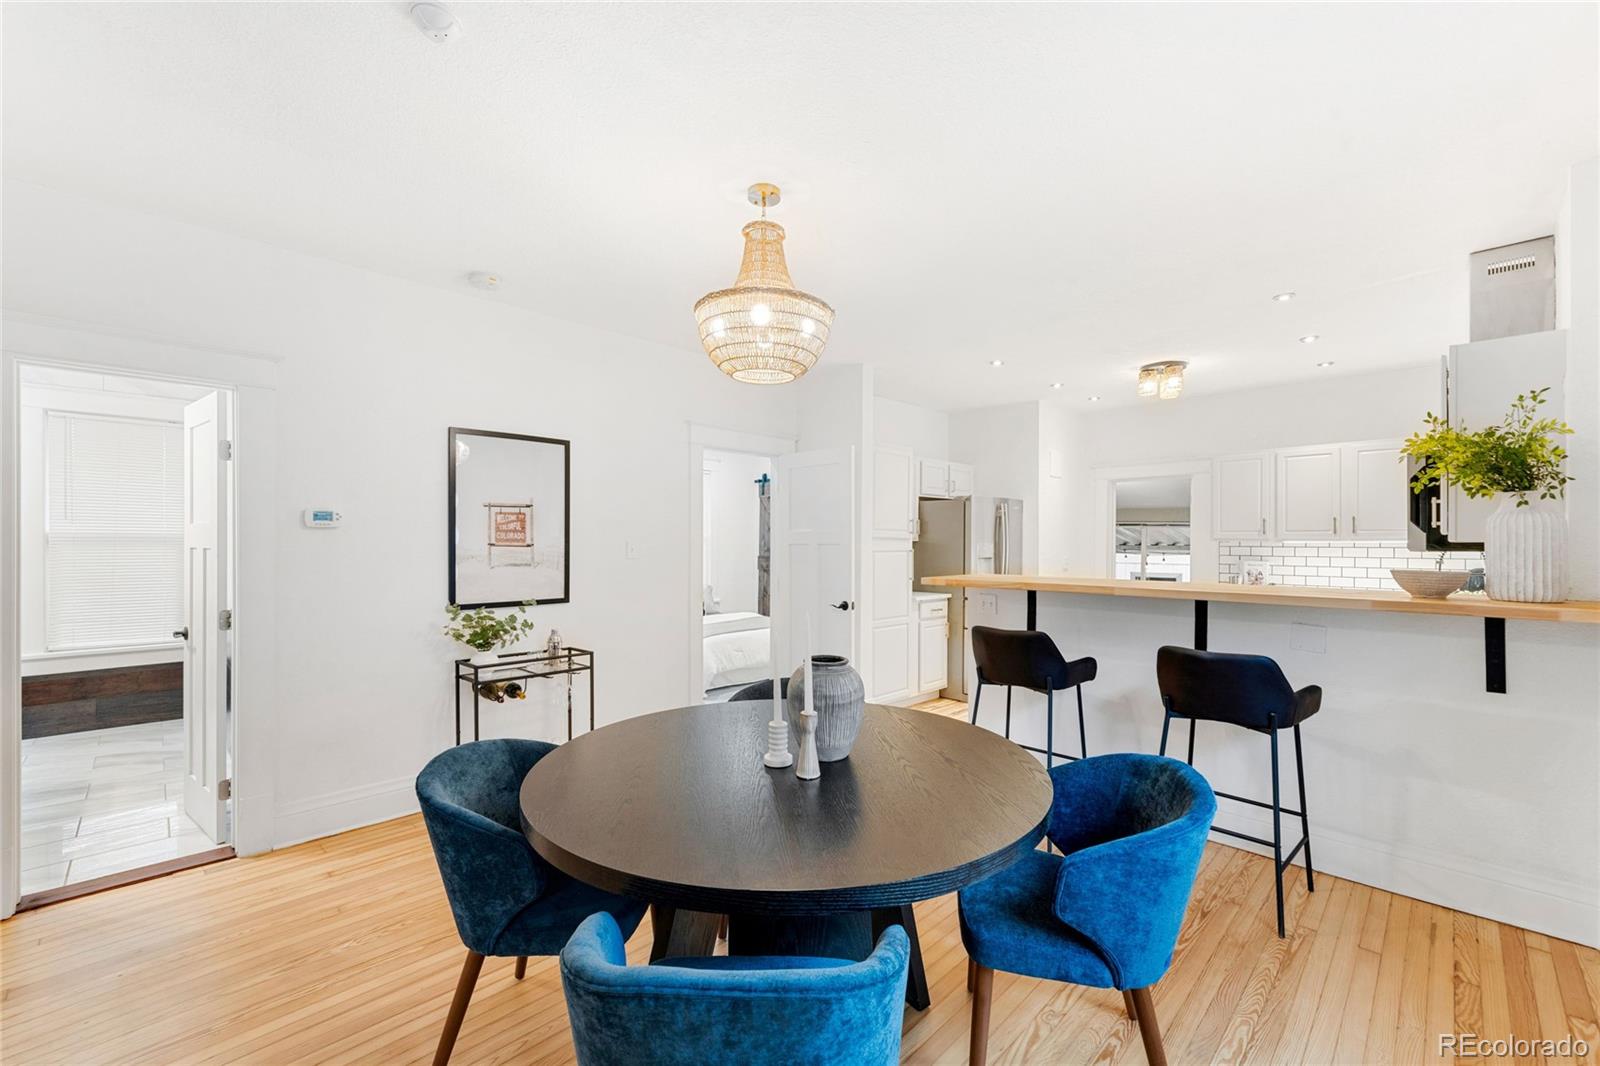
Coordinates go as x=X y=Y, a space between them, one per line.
x=1308 y=638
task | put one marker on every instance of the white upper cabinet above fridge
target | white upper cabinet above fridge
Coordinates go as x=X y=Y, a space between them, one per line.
x=960 y=480
x=933 y=478
x=1241 y=496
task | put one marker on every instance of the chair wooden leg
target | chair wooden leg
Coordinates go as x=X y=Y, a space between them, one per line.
x=522 y=966
x=1149 y=1031
x=1133 y=1008
x=458 y=1007
x=972 y=975
x=982 y=993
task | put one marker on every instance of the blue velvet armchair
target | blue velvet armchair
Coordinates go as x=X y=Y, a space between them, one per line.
x=1105 y=912
x=755 y=1011
x=507 y=901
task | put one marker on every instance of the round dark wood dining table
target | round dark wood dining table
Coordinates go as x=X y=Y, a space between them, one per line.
x=677 y=808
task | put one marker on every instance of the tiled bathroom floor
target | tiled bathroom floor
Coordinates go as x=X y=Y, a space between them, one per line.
x=103 y=801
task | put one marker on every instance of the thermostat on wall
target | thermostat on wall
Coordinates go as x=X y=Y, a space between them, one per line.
x=315 y=519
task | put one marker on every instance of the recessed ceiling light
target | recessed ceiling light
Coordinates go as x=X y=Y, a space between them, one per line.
x=1055 y=384
x=483 y=279
x=997 y=362
x=1094 y=399
x=1326 y=363
x=1309 y=338
x=1283 y=297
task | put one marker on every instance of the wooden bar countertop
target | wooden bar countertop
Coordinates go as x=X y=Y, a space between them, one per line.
x=1461 y=604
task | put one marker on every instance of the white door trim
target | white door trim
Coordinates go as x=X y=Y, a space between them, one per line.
x=702 y=437
x=252 y=379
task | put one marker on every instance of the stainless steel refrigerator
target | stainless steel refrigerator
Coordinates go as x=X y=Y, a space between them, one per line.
x=980 y=535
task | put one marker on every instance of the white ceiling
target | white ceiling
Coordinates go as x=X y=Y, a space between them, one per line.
x=1072 y=189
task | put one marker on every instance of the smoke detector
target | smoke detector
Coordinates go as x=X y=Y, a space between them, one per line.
x=436 y=21
x=482 y=279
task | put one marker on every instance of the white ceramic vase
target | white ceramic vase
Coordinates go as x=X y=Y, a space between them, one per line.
x=1525 y=552
x=485 y=658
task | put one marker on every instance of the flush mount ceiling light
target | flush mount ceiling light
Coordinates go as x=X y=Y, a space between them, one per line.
x=1163 y=380
x=763 y=331
x=1310 y=338
x=436 y=22
x=1283 y=297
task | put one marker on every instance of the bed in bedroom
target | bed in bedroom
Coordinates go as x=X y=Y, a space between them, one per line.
x=737 y=648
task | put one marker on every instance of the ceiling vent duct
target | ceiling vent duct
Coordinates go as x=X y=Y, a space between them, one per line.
x=1514 y=289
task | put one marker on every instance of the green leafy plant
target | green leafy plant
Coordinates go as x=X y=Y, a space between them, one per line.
x=1520 y=456
x=483 y=630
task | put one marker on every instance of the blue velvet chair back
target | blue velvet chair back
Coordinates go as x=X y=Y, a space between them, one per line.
x=1131 y=829
x=1219 y=686
x=786 y=1012
x=469 y=804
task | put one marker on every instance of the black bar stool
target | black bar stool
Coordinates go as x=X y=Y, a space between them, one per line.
x=1249 y=691
x=1031 y=660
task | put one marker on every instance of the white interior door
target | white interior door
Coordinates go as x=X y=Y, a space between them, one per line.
x=813 y=555
x=205 y=649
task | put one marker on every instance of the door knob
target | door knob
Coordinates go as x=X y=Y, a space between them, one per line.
x=842 y=605
x=181 y=634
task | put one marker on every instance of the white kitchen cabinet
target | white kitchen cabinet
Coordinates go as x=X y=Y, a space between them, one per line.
x=892 y=624
x=933 y=479
x=1308 y=493
x=933 y=643
x=1373 y=490
x=1241 y=496
x=961 y=479
x=894 y=495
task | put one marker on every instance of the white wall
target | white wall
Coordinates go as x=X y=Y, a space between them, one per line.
x=1578 y=312
x=372 y=371
x=732 y=527
x=1003 y=445
x=925 y=431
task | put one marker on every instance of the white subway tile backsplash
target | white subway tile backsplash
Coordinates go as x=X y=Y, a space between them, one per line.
x=1334 y=564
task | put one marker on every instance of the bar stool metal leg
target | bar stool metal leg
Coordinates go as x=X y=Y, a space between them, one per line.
x=1305 y=819
x=977 y=694
x=1049 y=728
x=1083 y=736
x=1166 y=724
x=1192 y=723
x=1008 y=712
x=1277 y=822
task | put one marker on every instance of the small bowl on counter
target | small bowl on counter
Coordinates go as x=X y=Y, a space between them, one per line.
x=1429 y=584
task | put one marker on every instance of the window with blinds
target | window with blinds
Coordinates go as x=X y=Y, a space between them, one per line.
x=113 y=531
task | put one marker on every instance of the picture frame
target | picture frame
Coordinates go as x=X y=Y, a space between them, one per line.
x=509 y=529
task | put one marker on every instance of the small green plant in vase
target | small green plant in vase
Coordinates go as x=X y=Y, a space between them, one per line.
x=485 y=632
x=1525 y=545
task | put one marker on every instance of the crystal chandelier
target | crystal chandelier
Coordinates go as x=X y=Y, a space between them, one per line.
x=763 y=330
x=1163 y=380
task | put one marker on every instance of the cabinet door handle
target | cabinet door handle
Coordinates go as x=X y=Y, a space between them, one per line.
x=1352 y=525
x=1336 y=524
x=1433 y=512
x=1263 y=527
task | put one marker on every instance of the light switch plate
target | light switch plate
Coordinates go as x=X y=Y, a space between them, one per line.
x=1308 y=638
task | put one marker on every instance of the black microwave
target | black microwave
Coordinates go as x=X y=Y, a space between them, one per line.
x=1424 y=519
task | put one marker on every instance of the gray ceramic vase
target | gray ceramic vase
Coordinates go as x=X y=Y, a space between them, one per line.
x=839 y=702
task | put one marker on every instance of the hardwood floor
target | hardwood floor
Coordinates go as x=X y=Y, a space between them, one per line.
x=342 y=950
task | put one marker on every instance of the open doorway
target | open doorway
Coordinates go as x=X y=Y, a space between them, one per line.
x=736 y=570
x=1152 y=529
x=124 y=511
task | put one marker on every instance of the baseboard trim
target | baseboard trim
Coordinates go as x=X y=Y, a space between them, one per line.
x=1565 y=909
x=349 y=808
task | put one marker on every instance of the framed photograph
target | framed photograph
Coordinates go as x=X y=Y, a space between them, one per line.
x=510 y=518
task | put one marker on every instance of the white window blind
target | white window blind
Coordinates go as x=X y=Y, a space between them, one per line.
x=113 y=531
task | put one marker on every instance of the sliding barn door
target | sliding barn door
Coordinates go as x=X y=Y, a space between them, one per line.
x=813 y=555
x=206 y=452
